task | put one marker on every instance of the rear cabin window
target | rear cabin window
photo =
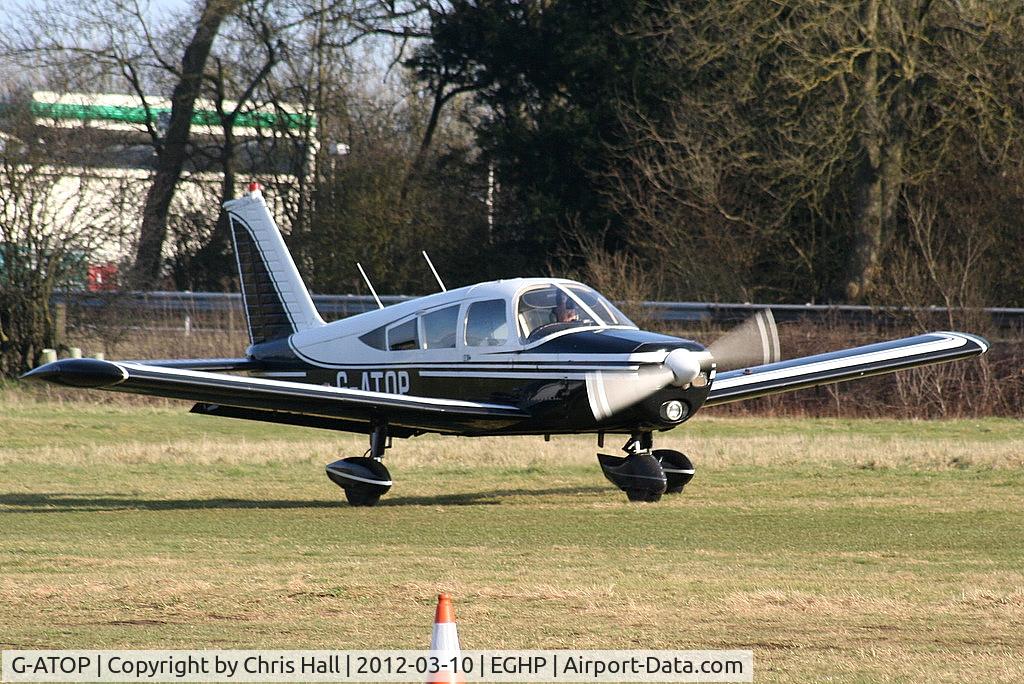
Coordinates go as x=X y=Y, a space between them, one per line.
x=486 y=324
x=403 y=336
x=375 y=338
x=439 y=328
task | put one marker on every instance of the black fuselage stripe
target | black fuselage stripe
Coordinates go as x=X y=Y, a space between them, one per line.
x=517 y=365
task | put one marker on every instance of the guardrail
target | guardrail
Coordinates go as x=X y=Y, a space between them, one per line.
x=1002 y=317
x=340 y=306
x=331 y=307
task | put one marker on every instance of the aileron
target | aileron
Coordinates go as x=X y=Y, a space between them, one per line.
x=847 y=364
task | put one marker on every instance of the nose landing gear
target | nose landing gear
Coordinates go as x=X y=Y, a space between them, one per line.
x=364 y=478
x=644 y=473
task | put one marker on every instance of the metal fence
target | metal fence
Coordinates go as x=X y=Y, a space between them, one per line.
x=333 y=307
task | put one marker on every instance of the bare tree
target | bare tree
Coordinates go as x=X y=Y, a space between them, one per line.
x=119 y=43
x=124 y=43
x=797 y=126
x=172 y=152
x=53 y=216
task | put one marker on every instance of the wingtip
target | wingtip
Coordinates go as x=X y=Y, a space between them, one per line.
x=979 y=340
x=982 y=344
x=87 y=373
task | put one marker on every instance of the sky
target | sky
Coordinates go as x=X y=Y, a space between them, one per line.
x=376 y=55
x=157 y=7
x=170 y=6
x=157 y=11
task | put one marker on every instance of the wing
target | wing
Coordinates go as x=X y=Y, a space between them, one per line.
x=280 y=401
x=847 y=364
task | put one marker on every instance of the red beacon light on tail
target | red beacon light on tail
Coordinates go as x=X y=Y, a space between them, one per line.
x=254 y=187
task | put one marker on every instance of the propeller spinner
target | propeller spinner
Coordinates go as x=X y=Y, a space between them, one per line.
x=609 y=393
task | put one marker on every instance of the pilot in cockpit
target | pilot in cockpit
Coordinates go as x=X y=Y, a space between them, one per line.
x=565 y=310
x=547 y=310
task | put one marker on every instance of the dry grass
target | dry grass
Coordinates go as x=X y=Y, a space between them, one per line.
x=771 y=451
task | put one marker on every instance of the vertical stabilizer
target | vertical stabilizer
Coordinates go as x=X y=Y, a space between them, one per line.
x=277 y=303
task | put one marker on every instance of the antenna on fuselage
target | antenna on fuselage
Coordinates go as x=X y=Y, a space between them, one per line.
x=369 y=285
x=434 y=271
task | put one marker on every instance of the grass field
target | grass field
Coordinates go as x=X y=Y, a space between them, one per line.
x=835 y=550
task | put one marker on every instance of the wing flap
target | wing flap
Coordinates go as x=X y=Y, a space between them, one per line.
x=213 y=365
x=442 y=415
x=285 y=418
x=843 y=365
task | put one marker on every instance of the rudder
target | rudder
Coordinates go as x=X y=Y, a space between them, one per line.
x=277 y=303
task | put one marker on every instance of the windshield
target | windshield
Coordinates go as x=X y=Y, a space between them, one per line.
x=549 y=309
x=604 y=309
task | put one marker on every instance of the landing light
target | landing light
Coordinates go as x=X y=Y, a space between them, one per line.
x=673 y=411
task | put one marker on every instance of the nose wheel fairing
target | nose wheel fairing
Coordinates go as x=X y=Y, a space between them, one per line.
x=644 y=473
x=677 y=467
x=639 y=475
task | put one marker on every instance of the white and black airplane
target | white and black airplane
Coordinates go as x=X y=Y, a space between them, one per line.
x=528 y=356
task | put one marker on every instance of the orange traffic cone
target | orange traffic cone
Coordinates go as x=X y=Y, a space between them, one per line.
x=444 y=642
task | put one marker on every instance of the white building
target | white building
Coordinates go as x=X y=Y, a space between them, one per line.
x=107 y=182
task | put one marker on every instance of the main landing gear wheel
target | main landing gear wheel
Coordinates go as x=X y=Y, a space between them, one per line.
x=364 y=478
x=677 y=467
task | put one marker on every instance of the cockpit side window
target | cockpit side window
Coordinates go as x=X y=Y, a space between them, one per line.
x=486 y=323
x=439 y=328
x=403 y=336
x=547 y=310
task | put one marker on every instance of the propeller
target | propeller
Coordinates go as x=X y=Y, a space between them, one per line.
x=752 y=343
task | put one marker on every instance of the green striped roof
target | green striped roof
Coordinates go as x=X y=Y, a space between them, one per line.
x=137 y=115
